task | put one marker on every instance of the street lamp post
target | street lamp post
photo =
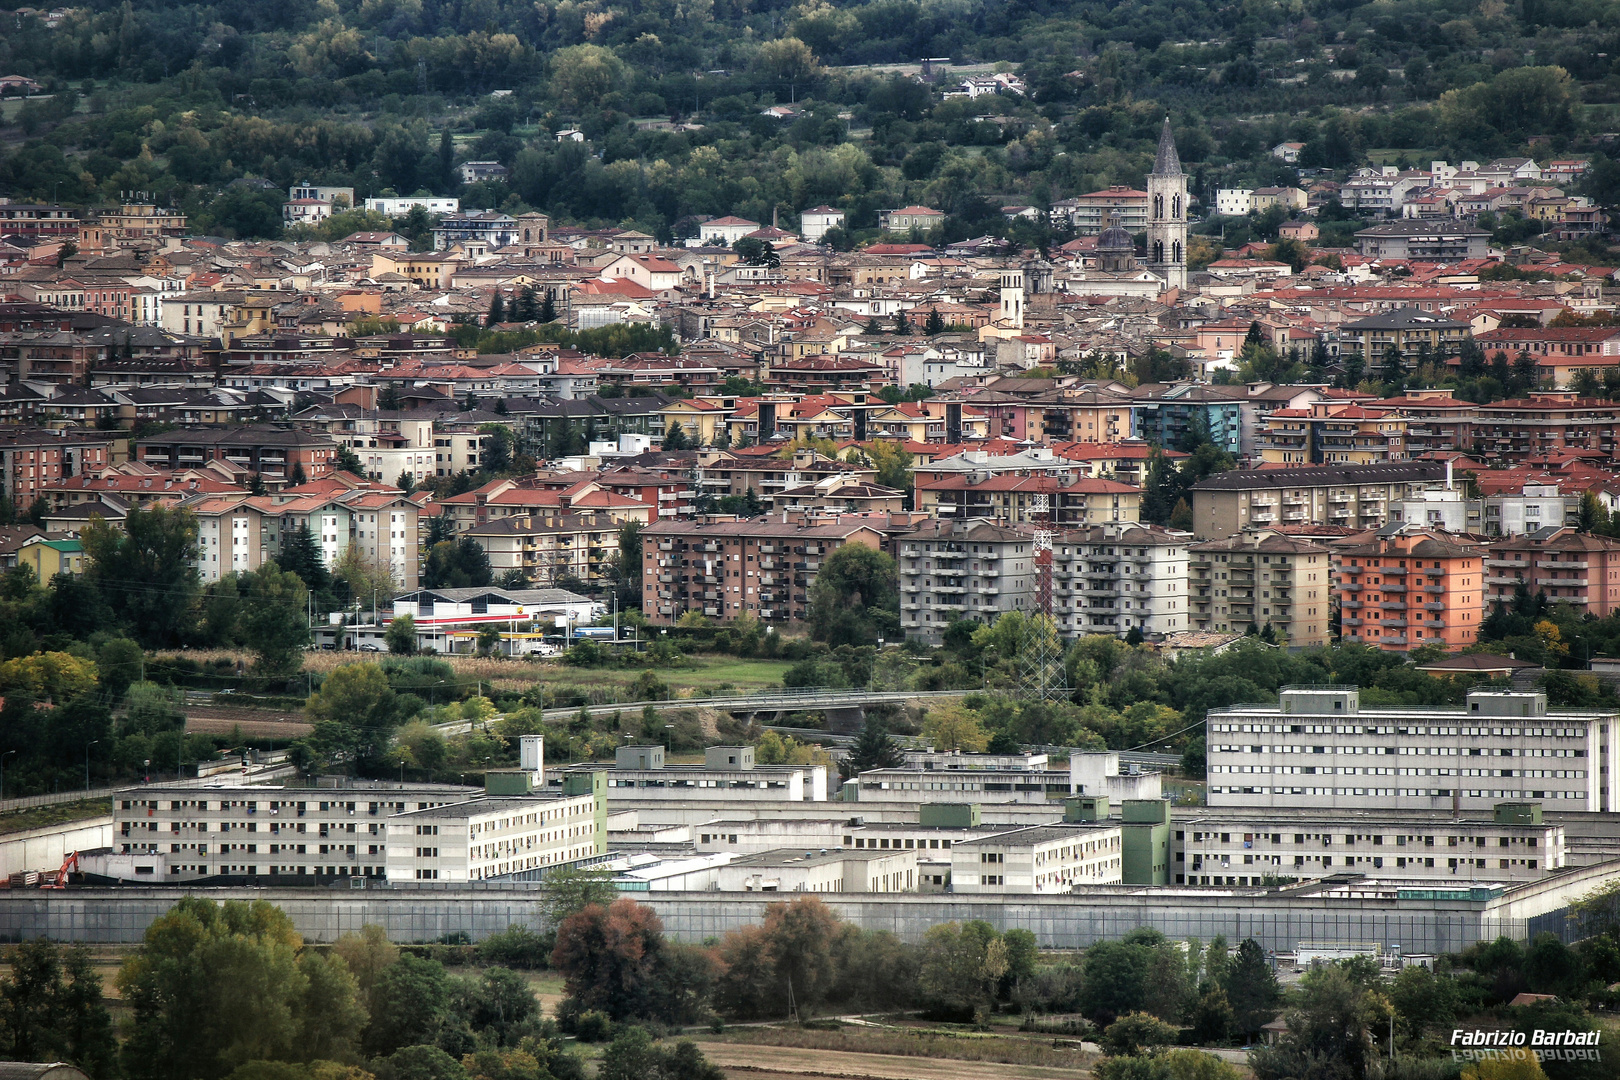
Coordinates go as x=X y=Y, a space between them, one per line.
x=87 y=747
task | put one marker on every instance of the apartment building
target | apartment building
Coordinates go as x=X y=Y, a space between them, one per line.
x=1333 y=434
x=1039 y=860
x=1512 y=845
x=1261 y=578
x=1408 y=586
x=185 y=834
x=33 y=460
x=1429 y=241
x=1355 y=495
x=1094 y=211
x=1545 y=424
x=1558 y=562
x=548 y=549
x=1415 y=332
x=1112 y=579
x=1560 y=351
x=1435 y=421
x=500 y=838
x=950 y=569
x=276 y=453
x=1040 y=499
x=1317 y=748
x=724 y=568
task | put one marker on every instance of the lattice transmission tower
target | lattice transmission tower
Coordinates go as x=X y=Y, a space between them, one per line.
x=1042 y=652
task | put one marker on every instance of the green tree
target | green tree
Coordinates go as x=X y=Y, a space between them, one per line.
x=119 y=663
x=633 y=1055
x=1137 y=1032
x=412 y=998
x=301 y=555
x=1251 y=988
x=961 y=968
x=569 y=891
x=855 y=599
x=276 y=621
x=355 y=712
x=675 y=438
x=1331 y=1024
x=401 y=635
x=457 y=564
x=145 y=571
x=497 y=310
x=872 y=749
x=348 y=461
x=217 y=985
x=51 y=1009
x=1422 y=1001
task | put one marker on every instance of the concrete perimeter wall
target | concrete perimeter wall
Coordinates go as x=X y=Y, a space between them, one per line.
x=410 y=915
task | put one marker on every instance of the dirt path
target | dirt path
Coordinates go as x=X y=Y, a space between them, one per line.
x=772 y=1062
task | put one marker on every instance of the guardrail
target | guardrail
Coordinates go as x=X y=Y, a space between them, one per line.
x=799 y=696
x=55 y=798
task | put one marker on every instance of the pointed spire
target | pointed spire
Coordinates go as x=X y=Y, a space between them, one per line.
x=1168 y=163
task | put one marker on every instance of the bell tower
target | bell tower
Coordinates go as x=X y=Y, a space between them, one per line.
x=1167 y=214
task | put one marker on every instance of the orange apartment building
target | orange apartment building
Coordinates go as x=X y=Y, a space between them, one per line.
x=1564 y=565
x=1409 y=588
x=1560 y=351
x=32 y=461
x=725 y=567
x=1546 y=424
x=1436 y=422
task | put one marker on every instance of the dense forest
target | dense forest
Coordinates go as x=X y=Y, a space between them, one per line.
x=217 y=107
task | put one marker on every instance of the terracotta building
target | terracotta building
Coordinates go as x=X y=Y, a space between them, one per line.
x=1565 y=566
x=1404 y=587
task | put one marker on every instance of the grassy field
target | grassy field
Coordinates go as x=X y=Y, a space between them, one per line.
x=38 y=817
x=696 y=676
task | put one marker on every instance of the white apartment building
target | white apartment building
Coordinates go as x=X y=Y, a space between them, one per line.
x=499 y=837
x=1238 y=851
x=1317 y=748
x=1233 y=202
x=200 y=314
x=182 y=834
x=399 y=207
x=1111 y=579
x=816 y=222
x=1041 y=859
x=949 y=569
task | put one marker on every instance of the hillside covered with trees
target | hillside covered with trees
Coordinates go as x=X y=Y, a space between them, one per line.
x=217 y=107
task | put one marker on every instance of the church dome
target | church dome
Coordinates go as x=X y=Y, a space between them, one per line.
x=1115 y=238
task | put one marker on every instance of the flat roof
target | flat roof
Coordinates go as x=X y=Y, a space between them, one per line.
x=1043 y=834
x=480 y=807
x=817 y=857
